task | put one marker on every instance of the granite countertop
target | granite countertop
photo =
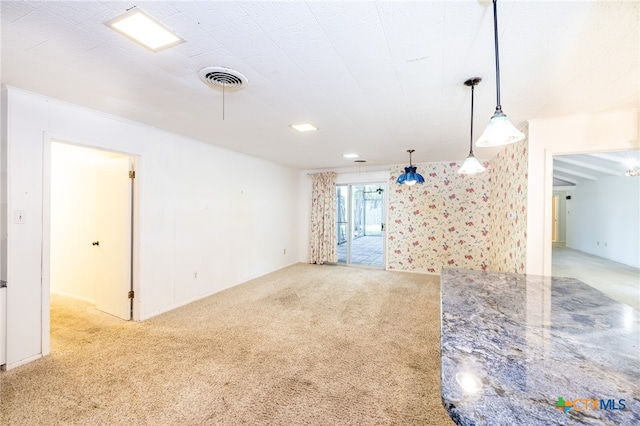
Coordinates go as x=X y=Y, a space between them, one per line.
x=515 y=346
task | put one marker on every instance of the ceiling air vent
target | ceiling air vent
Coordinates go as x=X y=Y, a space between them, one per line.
x=223 y=78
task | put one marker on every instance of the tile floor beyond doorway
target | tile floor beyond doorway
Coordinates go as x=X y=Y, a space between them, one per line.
x=618 y=281
x=367 y=250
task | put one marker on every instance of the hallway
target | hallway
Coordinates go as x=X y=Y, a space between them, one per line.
x=618 y=281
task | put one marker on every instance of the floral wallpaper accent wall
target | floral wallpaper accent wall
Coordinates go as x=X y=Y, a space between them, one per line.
x=508 y=226
x=444 y=223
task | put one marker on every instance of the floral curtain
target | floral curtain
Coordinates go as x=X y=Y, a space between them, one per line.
x=322 y=232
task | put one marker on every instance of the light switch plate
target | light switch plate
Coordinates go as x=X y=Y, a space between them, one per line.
x=19 y=217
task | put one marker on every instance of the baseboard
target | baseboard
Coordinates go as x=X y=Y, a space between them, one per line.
x=413 y=271
x=205 y=295
x=73 y=296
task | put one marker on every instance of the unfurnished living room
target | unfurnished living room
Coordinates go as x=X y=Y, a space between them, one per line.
x=320 y=212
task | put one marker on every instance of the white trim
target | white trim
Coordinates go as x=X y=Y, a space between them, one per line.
x=23 y=362
x=47 y=140
x=73 y=296
x=385 y=185
x=564 y=188
x=549 y=153
x=204 y=296
x=574 y=173
x=582 y=164
x=565 y=178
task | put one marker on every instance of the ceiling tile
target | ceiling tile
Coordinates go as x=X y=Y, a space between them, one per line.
x=379 y=77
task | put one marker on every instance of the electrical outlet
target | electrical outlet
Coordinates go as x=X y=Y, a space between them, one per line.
x=195 y=275
x=284 y=251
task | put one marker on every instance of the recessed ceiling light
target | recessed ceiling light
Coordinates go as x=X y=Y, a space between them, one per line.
x=304 y=127
x=350 y=155
x=144 y=30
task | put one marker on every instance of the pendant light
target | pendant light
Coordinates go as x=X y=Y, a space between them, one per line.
x=499 y=131
x=471 y=164
x=410 y=175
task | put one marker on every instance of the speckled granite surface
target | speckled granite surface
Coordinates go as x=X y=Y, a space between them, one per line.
x=526 y=341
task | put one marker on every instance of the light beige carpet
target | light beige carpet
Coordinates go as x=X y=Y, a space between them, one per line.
x=310 y=344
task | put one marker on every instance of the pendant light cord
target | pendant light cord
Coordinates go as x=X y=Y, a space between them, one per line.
x=473 y=85
x=495 y=38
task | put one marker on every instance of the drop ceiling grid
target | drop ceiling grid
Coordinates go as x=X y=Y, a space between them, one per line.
x=198 y=40
x=291 y=88
x=592 y=64
x=521 y=51
x=368 y=64
x=303 y=39
x=398 y=39
x=244 y=37
x=545 y=80
x=376 y=75
x=611 y=75
x=208 y=15
x=339 y=16
x=413 y=29
x=381 y=75
x=13 y=11
x=38 y=29
x=277 y=16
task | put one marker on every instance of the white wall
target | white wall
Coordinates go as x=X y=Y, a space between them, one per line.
x=199 y=208
x=603 y=218
x=607 y=131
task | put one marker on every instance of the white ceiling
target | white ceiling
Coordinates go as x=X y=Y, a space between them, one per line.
x=572 y=170
x=376 y=77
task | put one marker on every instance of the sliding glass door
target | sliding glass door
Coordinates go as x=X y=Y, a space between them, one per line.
x=360 y=224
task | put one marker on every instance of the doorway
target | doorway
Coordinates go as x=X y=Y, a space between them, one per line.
x=361 y=224
x=91 y=225
x=594 y=214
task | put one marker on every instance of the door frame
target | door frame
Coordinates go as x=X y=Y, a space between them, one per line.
x=349 y=213
x=554 y=217
x=48 y=139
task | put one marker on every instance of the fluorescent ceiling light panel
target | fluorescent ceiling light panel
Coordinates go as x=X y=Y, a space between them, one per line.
x=144 y=30
x=305 y=127
x=350 y=155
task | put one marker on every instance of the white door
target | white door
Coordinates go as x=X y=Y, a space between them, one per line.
x=112 y=243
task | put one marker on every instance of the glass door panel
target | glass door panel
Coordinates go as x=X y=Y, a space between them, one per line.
x=367 y=241
x=360 y=211
x=342 y=219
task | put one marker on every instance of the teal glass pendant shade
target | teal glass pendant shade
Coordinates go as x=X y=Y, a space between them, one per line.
x=410 y=175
